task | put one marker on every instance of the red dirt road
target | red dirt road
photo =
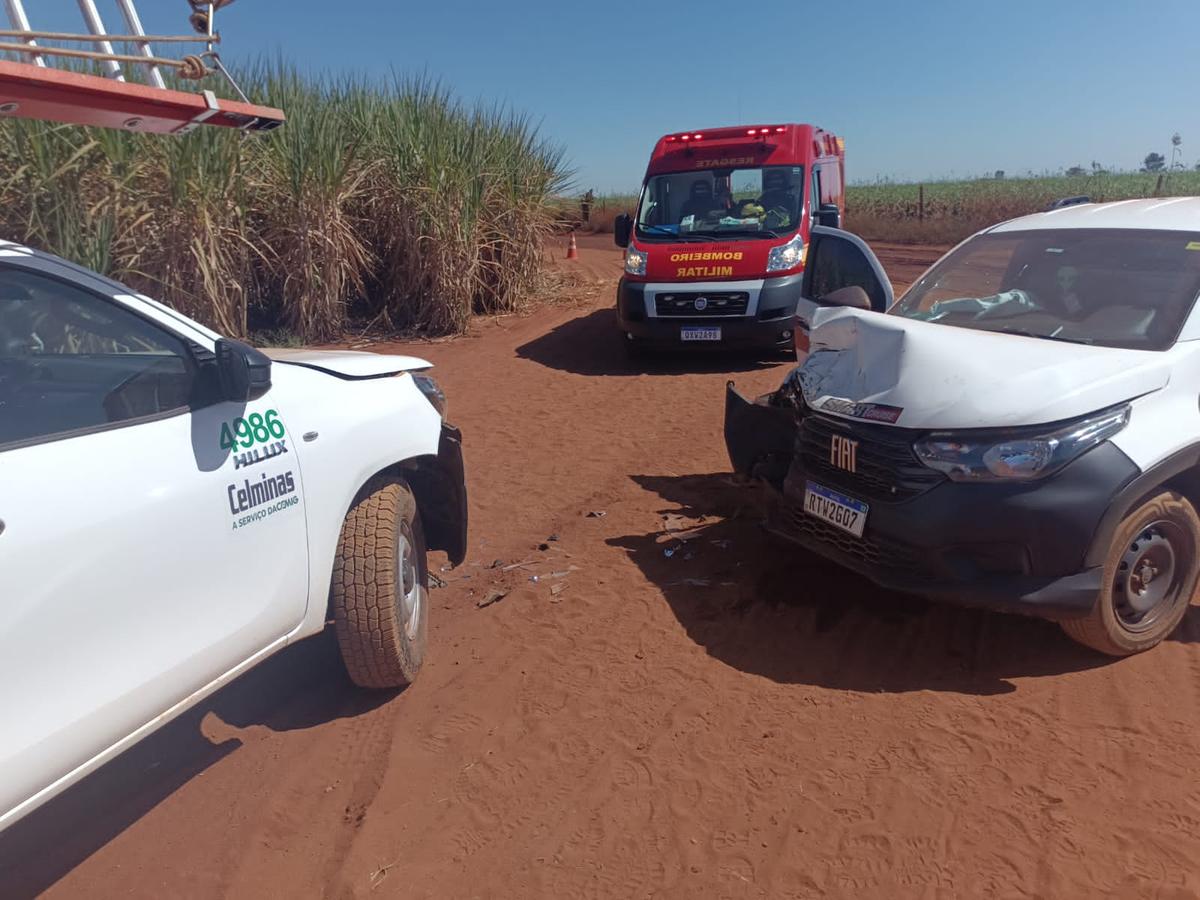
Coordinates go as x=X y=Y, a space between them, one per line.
x=735 y=719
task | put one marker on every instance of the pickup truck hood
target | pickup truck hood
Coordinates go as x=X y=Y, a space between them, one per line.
x=943 y=377
x=348 y=363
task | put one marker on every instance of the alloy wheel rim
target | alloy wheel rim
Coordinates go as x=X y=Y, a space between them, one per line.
x=411 y=595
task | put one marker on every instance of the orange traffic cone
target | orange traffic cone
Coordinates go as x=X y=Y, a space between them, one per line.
x=572 y=250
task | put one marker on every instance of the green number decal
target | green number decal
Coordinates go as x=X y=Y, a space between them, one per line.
x=261 y=433
x=258 y=429
x=243 y=430
x=273 y=424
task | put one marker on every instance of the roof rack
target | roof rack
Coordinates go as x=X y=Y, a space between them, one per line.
x=1068 y=201
x=33 y=89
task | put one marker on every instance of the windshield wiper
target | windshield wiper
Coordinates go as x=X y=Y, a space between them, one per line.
x=1008 y=329
x=737 y=232
x=670 y=235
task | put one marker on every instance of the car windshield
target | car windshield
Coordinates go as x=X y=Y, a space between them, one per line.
x=1129 y=288
x=723 y=203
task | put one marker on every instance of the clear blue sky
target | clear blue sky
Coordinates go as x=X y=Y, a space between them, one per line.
x=918 y=89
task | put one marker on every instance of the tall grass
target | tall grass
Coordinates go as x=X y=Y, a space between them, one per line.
x=389 y=202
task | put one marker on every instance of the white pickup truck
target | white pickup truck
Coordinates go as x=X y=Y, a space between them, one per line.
x=176 y=506
x=1019 y=431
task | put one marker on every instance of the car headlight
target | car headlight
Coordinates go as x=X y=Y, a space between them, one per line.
x=786 y=256
x=635 y=261
x=1017 y=456
x=432 y=392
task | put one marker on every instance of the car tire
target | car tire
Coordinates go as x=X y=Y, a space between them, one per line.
x=380 y=587
x=1150 y=575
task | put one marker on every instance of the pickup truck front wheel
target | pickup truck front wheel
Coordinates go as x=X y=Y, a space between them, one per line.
x=380 y=593
x=1149 y=578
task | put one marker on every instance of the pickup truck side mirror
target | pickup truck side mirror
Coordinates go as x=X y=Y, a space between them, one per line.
x=622 y=229
x=243 y=373
x=828 y=215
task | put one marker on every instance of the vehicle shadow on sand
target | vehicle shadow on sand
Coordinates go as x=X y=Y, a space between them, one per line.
x=590 y=344
x=772 y=609
x=301 y=686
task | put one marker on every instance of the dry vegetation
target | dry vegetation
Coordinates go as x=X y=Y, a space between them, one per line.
x=387 y=203
x=952 y=210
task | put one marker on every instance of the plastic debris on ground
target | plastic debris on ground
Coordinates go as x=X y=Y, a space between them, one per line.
x=492 y=597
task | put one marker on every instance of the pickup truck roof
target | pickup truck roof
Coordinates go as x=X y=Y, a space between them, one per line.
x=1162 y=213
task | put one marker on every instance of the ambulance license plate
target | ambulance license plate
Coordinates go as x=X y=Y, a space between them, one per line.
x=837 y=509
x=700 y=333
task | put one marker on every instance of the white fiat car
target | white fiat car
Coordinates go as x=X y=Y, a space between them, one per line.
x=176 y=506
x=1021 y=430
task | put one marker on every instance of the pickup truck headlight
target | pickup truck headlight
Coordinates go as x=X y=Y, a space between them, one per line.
x=1023 y=455
x=635 y=261
x=432 y=393
x=786 y=256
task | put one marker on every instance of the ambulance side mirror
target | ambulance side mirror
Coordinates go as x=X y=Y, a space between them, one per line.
x=622 y=229
x=840 y=270
x=828 y=215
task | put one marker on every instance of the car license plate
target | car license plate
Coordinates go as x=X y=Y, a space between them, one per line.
x=702 y=333
x=837 y=509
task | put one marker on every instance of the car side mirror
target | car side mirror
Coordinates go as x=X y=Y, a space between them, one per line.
x=622 y=229
x=243 y=372
x=829 y=215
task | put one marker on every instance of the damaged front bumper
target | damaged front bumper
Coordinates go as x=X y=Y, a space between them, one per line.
x=440 y=485
x=999 y=547
x=760 y=435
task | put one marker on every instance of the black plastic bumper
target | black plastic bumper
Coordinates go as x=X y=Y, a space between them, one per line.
x=771 y=327
x=1017 y=548
x=440 y=485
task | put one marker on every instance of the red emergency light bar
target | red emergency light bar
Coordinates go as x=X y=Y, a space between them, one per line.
x=761 y=131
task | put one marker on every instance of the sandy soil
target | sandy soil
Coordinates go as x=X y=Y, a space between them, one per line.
x=733 y=719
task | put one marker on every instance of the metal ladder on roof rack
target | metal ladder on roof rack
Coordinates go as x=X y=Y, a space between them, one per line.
x=129 y=90
x=190 y=67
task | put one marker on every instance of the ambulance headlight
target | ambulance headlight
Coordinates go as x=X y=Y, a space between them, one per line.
x=1023 y=455
x=786 y=256
x=635 y=261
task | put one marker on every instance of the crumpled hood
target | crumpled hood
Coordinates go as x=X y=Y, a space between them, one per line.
x=943 y=377
x=349 y=363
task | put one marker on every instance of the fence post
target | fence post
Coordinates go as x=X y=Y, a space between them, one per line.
x=921 y=203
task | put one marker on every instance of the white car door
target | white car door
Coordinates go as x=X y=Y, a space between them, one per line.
x=840 y=271
x=149 y=542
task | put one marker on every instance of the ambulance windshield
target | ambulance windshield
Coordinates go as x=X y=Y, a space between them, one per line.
x=722 y=203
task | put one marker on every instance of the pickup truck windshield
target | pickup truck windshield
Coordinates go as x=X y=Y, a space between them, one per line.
x=721 y=203
x=1130 y=288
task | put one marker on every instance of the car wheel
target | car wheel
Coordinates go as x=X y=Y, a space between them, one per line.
x=380 y=587
x=1149 y=578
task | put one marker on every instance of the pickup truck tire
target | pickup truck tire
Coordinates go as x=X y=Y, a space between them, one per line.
x=1150 y=575
x=380 y=587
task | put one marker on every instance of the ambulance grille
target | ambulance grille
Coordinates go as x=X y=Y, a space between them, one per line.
x=693 y=304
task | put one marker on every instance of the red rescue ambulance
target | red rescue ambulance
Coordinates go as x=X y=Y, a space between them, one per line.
x=715 y=252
